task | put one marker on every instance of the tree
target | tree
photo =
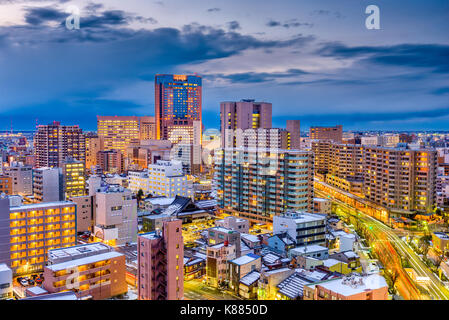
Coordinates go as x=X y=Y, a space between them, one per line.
x=139 y=195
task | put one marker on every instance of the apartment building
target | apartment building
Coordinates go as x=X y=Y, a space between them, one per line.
x=217 y=262
x=53 y=143
x=147 y=152
x=164 y=178
x=257 y=184
x=91 y=270
x=5 y=185
x=327 y=133
x=242 y=115
x=111 y=161
x=5 y=282
x=85 y=213
x=94 y=144
x=21 y=178
x=147 y=128
x=31 y=231
x=161 y=263
x=401 y=180
x=48 y=184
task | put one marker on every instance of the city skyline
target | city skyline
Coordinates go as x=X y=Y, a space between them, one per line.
x=314 y=61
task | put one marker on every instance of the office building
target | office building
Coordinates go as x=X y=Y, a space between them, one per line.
x=53 y=143
x=305 y=228
x=115 y=216
x=85 y=213
x=91 y=270
x=178 y=103
x=139 y=156
x=242 y=115
x=258 y=184
x=111 y=161
x=164 y=178
x=94 y=144
x=161 y=263
x=48 y=184
x=118 y=131
x=73 y=177
x=147 y=128
x=327 y=133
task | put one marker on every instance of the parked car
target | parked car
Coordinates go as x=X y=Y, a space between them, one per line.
x=39 y=280
x=24 y=282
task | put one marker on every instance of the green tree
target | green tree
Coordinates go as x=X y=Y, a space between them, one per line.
x=139 y=195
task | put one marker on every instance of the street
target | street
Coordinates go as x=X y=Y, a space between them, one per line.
x=196 y=290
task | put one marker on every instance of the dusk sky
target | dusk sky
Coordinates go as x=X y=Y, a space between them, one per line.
x=314 y=60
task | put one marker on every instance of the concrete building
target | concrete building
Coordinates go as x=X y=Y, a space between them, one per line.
x=305 y=228
x=401 y=180
x=165 y=178
x=147 y=128
x=242 y=115
x=352 y=287
x=161 y=263
x=115 y=216
x=217 y=263
x=219 y=235
x=258 y=184
x=30 y=231
x=53 y=143
x=48 y=184
x=322 y=206
x=73 y=178
x=111 y=161
x=91 y=270
x=233 y=223
x=118 y=131
x=5 y=282
x=5 y=185
x=327 y=133
x=94 y=144
x=21 y=178
x=85 y=213
x=147 y=152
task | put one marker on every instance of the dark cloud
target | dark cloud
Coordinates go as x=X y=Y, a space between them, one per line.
x=233 y=25
x=336 y=14
x=213 y=10
x=256 y=77
x=293 y=23
x=37 y=16
x=431 y=56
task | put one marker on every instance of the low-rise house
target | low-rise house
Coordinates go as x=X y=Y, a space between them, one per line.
x=240 y=267
x=350 y=262
x=248 y=285
x=313 y=251
x=269 y=280
x=352 y=287
x=281 y=242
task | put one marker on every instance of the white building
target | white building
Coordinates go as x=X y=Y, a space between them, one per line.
x=5 y=282
x=48 y=184
x=21 y=178
x=234 y=223
x=165 y=178
x=370 y=141
x=116 y=216
x=305 y=228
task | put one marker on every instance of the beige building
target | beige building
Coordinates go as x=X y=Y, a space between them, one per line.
x=118 y=132
x=327 y=133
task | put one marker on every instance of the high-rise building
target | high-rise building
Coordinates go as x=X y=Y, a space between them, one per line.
x=48 y=184
x=94 y=144
x=54 y=142
x=401 y=180
x=327 y=133
x=258 y=184
x=73 y=177
x=242 y=115
x=147 y=127
x=161 y=263
x=111 y=161
x=178 y=103
x=30 y=231
x=294 y=130
x=118 y=131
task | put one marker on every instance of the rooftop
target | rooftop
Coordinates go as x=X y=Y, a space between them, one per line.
x=43 y=205
x=355 y=284
x=85 y=260
x=250 y=278
x=309 y=249
x=250 y=257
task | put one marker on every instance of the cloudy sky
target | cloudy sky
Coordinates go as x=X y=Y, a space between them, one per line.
x=313 y=59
